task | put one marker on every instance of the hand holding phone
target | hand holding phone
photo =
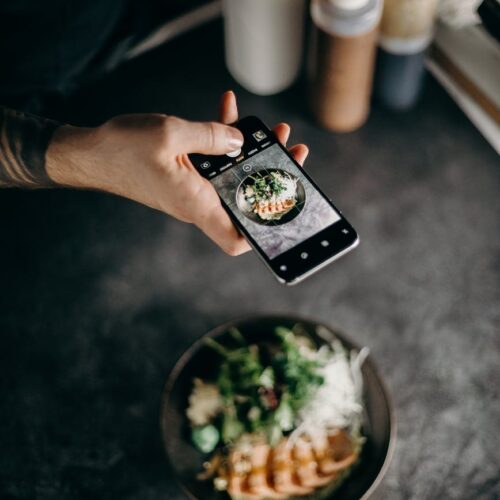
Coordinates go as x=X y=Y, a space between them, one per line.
x=291 y=224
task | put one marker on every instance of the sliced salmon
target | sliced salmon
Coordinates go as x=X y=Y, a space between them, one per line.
x=285 y=476
x=321 y=450
x=265 y=208
x=290 y=469
x=259 y=478
x=239 y=467
x=342 y=453
x=306 y=465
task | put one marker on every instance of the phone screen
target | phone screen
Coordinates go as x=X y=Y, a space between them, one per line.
x=293 y=226
x=271 y=197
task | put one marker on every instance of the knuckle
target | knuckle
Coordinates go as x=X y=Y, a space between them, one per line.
x=163 y=139
x=229 y=251
x=168 y=128
x=191 y=200
x=192 y=190
x=233 y=248
x=211 y=135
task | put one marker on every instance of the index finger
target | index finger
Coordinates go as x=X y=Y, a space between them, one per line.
x=228 y=109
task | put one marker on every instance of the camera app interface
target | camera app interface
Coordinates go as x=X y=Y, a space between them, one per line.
x=269 y=195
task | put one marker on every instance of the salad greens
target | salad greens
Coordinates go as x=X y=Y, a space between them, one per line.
x=262 y=388
x=267 y=186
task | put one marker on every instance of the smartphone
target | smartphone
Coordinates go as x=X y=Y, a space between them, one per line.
x=290 y=223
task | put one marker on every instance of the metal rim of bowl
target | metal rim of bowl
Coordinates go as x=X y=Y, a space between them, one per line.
x=185 y=356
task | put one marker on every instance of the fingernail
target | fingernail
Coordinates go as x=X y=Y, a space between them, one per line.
x=234 y=138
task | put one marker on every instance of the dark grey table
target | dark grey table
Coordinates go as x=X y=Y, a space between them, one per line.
x=99 y=295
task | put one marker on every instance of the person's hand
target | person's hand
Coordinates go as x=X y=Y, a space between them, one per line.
x=144 y=157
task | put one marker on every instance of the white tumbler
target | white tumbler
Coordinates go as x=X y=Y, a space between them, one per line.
x=264 y=42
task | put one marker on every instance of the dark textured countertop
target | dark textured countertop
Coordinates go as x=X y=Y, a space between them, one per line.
x=99 y=295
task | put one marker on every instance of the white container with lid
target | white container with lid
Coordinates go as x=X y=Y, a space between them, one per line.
x=264 y=42
x=346 y=17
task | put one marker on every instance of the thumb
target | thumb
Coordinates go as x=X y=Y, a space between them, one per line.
x=210 y=138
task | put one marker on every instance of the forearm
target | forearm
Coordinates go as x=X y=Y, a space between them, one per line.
x=24 y=140
x=72 y=159
x=40 y=153
x=85 y=158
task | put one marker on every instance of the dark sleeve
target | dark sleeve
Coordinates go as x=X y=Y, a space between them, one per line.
x=24 y=140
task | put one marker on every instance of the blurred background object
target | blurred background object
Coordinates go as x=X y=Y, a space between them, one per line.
x=489 y=12
x=174 y=22
x=264 y=41
x=458 y=13
x=465 y=59
x=50 y=49
x=406 y=32
x=341 y=61
x=264 y=49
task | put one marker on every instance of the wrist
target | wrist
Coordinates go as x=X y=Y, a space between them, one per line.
x=69 y=160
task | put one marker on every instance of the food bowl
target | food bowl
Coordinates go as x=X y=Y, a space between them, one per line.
x=201 y=361
x=246 y=208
